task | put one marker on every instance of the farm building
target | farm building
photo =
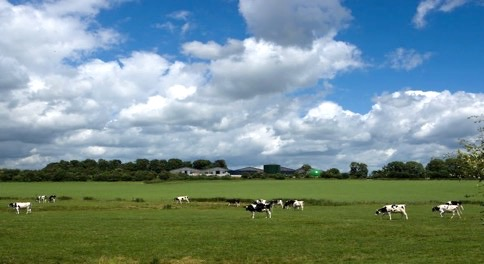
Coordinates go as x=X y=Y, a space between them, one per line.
x=207 y=172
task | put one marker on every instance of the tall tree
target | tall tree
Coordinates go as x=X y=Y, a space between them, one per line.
x=220 y=164
x=414 y=169
x=174 y=164
x=437 y=168
x=358 y=170
x=201 y=164
x=472 y=156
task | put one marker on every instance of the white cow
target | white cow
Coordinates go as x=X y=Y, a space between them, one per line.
x=458 y=203
x=279 y=202
x=447 y=208
x=181 y=199
x=17 y=206
x=296 y=204
x=392 y=208
x=41 y=198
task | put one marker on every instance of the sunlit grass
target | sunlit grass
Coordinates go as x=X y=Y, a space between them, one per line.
x=119 y=225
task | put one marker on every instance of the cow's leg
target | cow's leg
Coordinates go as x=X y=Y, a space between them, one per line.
x=406 y=216
x=18 y=210
x=253 y=215
x=269 y=214
x=442 y=213
x=458 y=214
x=390 y=215
x=29 y=210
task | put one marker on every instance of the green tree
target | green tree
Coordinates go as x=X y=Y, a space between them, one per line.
x=306 y=168
x=158 y=165
x=219 y=163
x=358 y=170
x=414 y=169
x=174 y=164
x=142 y=164
x=472 y=156
x=394 y=169
x=437 y=169
x=333 y=173
x=201 y=164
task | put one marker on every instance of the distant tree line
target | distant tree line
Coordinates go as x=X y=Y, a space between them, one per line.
x=108 y=170
x=151 y=170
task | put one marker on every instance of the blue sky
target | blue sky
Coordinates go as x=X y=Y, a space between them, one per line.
x=319 y=82
x=377 y=29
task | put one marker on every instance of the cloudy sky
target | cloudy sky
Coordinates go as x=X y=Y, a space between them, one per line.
x=318 y=82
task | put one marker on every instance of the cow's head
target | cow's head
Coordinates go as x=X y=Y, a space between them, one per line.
x=436 y=208
x=250 y=207
x=381 y=211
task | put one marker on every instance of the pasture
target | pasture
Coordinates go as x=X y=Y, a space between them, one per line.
x=98 y=222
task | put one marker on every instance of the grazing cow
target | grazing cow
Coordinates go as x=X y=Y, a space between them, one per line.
x=181 y=199
x=392 y=208
x=259 y=201
x=458 y=203
x=447 y=208
x=52 y=198
x=296 y=204
x=260 y=208
x=288 y=204
x=235 y=202
x=17 y=206
x=278 y=202
x=41 y=199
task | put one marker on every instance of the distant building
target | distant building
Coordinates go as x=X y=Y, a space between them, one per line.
x=218 y=171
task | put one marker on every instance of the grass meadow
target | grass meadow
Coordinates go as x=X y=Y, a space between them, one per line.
x=126 y=222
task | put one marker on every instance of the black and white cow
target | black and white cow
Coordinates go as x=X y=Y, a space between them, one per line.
x=288 y=204
x=41 y=198
x=278 y=202
x=447 y=208
x=181 y=199
x=392 y=208
x=52 y=198
x=296 y=204
x=458 y=203
x=19 y=205
x=259 y=201
x=260 y=208
x=235 y=202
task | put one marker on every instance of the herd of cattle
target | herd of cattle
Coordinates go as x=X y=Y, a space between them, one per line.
x=28 y=205
x=264 y=206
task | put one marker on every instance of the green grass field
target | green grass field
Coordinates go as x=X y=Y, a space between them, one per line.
x=109 y=227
